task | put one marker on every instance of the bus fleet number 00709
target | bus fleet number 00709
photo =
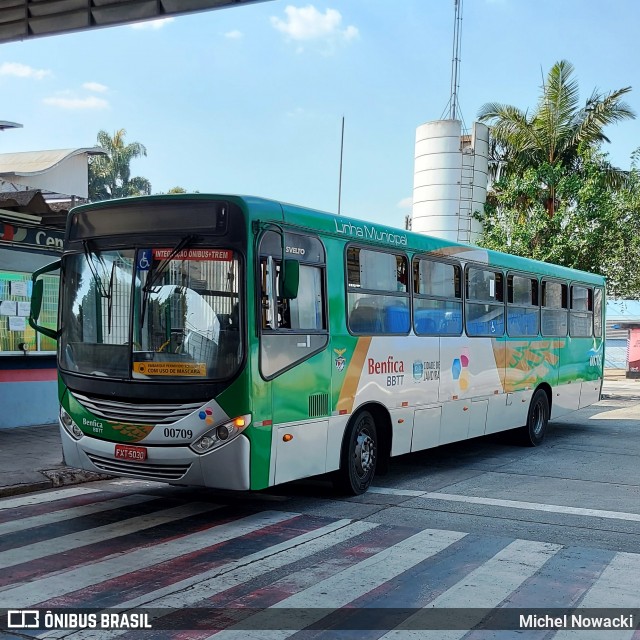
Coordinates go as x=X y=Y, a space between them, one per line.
x=183 y=434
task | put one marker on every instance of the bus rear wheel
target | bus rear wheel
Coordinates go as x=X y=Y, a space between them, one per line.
x=359 y=455
x=532 y=434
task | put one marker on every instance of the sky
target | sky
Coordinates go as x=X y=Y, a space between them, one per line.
x=250 y=99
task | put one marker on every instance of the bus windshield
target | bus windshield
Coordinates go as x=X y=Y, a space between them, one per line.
x=151 y=314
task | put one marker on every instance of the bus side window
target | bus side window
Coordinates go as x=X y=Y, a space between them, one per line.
x=267 y=307
x=284 y=318
x=377 y=292
x=581 y=311
x=522 y=306
x=598 y=296
x=554 y=309
x=304 y=312
x=485 y=302
x=437 y=297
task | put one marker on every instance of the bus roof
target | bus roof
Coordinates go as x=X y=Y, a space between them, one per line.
x=353 y=229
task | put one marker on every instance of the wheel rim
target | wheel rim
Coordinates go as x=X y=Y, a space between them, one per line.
x=364 y=454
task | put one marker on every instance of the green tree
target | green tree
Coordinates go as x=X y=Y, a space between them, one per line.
x=110 y=176
x=596 y=226
x=548 y=140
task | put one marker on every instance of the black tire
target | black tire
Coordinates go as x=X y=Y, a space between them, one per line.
x=359 y=455
x=532 y=434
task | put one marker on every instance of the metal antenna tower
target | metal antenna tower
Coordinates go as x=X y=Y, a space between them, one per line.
x=454 y=105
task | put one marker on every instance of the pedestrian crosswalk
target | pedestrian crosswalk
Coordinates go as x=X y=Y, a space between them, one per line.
x=134 y=549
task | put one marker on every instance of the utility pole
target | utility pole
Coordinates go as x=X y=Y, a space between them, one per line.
x=454 y=106
x=340 y=177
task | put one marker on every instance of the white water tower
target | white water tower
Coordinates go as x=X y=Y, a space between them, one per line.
x=450 y=180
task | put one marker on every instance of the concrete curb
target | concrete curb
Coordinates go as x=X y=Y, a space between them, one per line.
x=52 y=478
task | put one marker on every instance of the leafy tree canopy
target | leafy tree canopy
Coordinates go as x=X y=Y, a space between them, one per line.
x=550 y=137
x=556 y=197
x=595 y=228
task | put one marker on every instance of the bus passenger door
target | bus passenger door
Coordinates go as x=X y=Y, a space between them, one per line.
x=293 y=354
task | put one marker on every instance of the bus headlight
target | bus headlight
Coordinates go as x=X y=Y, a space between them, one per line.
x=221 y=434
x=69 y=425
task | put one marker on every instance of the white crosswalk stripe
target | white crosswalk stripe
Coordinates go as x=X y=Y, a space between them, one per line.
x=73 y=512
x=74 y=541
x=40 y=498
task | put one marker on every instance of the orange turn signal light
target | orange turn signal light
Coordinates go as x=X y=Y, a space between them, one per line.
x=287 y=437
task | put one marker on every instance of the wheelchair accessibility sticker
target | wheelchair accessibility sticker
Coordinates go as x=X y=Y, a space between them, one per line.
x=144 y=259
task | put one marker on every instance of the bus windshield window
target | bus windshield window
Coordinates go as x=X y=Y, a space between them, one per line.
x=186 y=321
x=95 y=313
x=185 y=324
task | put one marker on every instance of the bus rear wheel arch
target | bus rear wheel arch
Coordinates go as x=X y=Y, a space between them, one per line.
x=533 y=432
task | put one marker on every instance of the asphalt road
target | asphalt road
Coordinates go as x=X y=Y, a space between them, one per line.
x=582 y=486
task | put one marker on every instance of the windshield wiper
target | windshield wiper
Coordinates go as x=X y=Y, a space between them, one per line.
x=89 y=254
x=110 y=297
x=154 y=275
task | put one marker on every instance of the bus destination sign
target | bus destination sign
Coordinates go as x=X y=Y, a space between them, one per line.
x=218 y=255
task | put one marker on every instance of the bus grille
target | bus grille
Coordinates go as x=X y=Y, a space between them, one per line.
x=129 y=413
x=140 y=469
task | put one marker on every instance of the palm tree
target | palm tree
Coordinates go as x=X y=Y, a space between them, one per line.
x=110 y=176
x=554 y=133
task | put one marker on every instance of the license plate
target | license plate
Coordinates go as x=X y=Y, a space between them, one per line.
x=135 y=454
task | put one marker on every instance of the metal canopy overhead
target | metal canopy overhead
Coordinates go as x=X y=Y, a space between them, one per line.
x=22 y=19
x=5 y=124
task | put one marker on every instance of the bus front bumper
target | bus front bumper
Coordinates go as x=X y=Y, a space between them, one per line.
x=224 y=468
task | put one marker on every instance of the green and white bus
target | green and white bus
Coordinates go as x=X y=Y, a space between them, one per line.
x=239 y=343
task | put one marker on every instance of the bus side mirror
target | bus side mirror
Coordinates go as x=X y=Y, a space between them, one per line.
x=291 y=279
x=36 y=300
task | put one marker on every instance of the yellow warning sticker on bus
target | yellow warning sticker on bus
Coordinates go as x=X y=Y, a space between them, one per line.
x=170 y=368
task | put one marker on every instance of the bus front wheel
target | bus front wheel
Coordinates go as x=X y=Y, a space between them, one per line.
x=359 y=455
x=532 y=434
